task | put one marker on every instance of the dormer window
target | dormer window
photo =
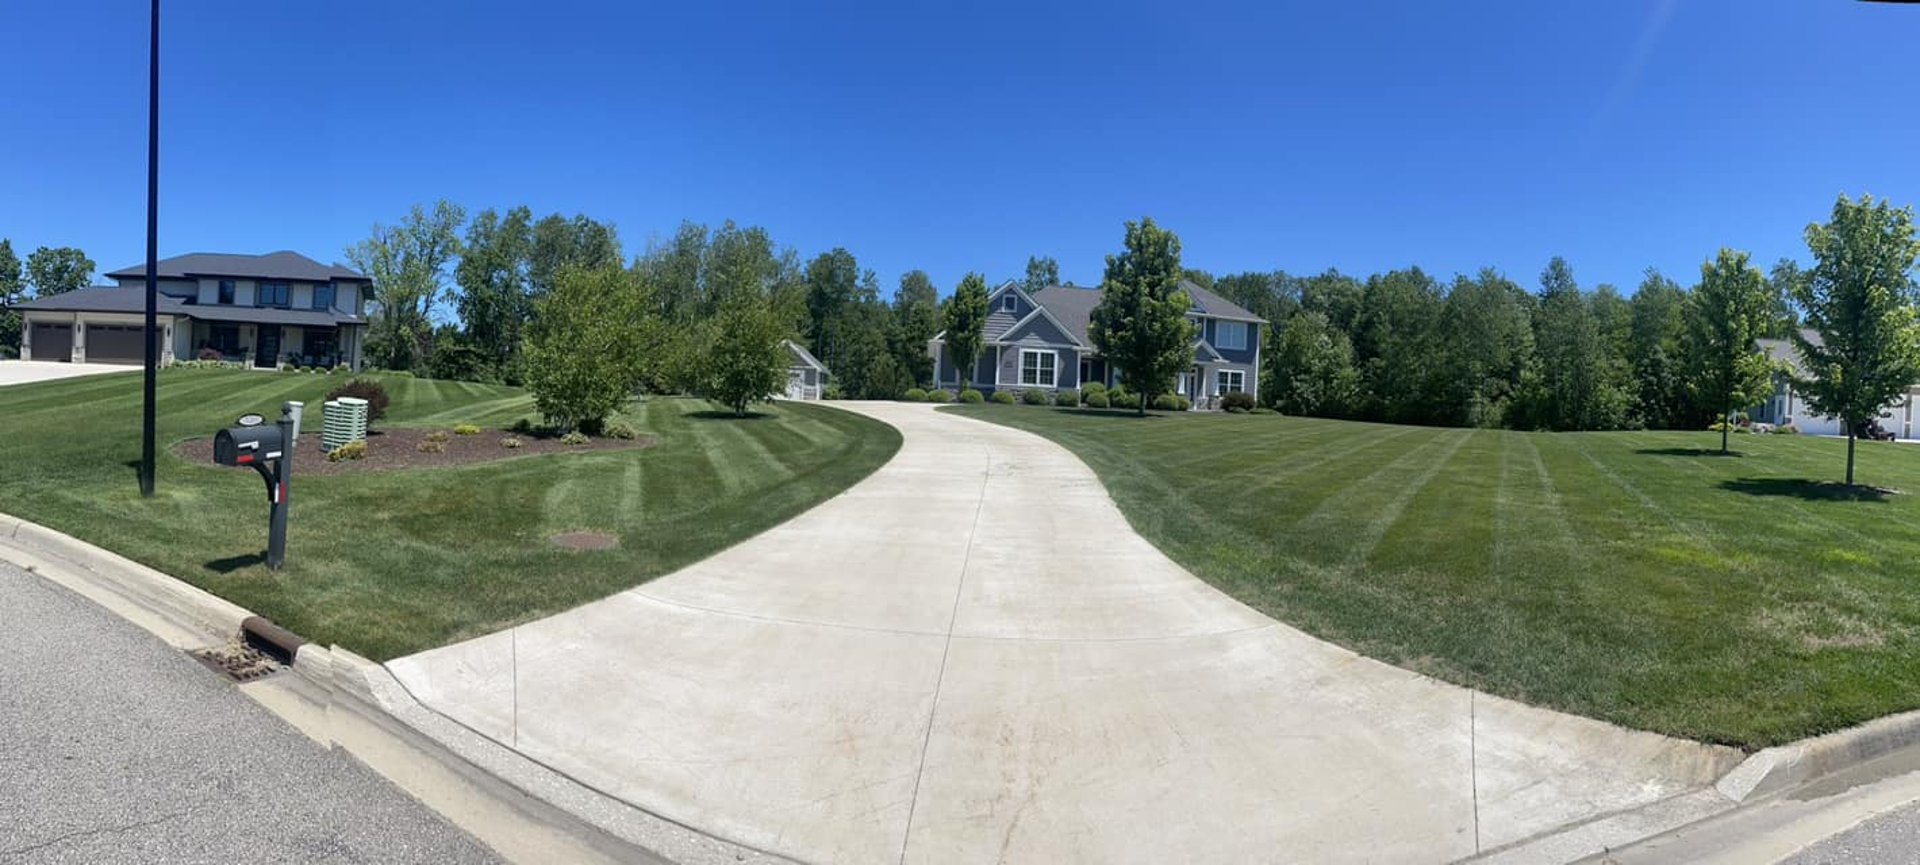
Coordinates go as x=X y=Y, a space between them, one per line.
x=1008 y=303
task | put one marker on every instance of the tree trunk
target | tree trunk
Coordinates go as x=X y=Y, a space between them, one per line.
x=1849 y=456
x=1141 y=410
x=1725 y=427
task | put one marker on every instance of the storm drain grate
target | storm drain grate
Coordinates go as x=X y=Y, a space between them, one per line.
x=239 y=662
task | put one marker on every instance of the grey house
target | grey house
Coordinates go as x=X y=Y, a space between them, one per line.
x=1040 y=340
x=263 y=310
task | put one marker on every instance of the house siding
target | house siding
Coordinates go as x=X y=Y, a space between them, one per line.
x=1211 y=330
x=1066 y=366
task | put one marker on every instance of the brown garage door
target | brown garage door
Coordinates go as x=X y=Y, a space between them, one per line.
x=115 y=343
x=53 y=342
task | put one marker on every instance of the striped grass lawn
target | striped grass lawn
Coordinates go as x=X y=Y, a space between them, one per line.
x=1636 y=577
x=392 y=563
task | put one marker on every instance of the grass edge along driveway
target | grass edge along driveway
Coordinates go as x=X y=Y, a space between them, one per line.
x=1630 y=576
x=391 y=563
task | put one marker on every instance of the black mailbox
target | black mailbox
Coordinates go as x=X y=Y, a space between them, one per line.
x=248 y=445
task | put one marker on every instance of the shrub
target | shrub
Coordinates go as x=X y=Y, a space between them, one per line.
x=210 y=353
x=1033 y=396
x=914 y=394
x=1093 y=387
x=1003 y=397
x=1166 y=402
x=348 y=451
x=1786 y=429
x=1743 y=429
x=833 y=391
x=1066 y=398
x=619 y=429
x=574 y=438
x=1237 y=401
x=466 y=429
x=1096 y=399
x=438 y=435
x=432 y=445
x=289 y=366
x=939 y=395
x=971 y=397
x=341 y=367
x=523 y=426
x=367 y=389
x=1122 y=399
x=1721 y=426
x=512 y=443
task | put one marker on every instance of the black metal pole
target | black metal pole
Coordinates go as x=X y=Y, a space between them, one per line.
x=153 y=254
x=278 y=494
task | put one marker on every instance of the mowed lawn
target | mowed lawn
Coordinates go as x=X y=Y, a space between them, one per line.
x=390 y=563
x=1629 y=576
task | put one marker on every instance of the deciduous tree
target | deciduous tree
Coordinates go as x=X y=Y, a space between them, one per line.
x=746 y=358
x=13 y=289
x=964 y=318
x=1725 y=314
x=1859 y=298
x=1041 y=272
x=589 y=343
x=1308 y=368
x=408 y=264
x=916 y=319
x=559 y=242
x=1141 y=323
x=58 y=270
x=494 y=300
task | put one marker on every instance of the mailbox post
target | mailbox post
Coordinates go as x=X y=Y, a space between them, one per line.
x=269 y=451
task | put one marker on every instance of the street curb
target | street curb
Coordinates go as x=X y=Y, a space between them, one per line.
x=340 y=687
x=1772 y=770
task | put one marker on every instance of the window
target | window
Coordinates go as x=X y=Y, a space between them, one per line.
x=1230 y=335
x=223 y=337
x=272 y=294
x=1230 y=381
x=1008 y=303
x=323 y=296
x=226 y=291
x=1036 y=367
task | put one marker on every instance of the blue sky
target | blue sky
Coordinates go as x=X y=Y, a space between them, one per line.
x=1357 y=135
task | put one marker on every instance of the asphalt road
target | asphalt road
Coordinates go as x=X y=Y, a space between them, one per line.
x=115 y=748
x=1893 y=837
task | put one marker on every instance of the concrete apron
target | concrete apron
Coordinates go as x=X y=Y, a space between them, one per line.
x=970 y=656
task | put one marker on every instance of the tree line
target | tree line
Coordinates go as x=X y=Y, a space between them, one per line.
x=48 y=270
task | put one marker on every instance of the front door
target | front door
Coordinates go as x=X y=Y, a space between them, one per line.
x=267 y=353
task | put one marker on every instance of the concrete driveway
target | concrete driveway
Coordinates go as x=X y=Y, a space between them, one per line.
x=24 y=371
x=971 y=657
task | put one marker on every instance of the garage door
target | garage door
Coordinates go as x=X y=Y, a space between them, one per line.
x=115 y=343
x=53 y=342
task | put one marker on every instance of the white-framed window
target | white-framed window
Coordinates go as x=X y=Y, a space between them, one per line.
x=1009 y=303
x=1230 y=380
x=1037 y=367
x=1230 y=335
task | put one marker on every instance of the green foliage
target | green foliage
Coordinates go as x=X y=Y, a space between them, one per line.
x=495 y=298
x=466 y=429
x=1860 y=299
x=1786 y=429
x=747 y=355
x=619 y=429
x=1093 y=387
x=1033 y=396
x=1483 y=346
x=1003 y=397
x=454 y=360
x=1237 y=401
x=1141 y=323
x=13 y=290
x=964 y=318
x=408 y=264
x=1066 y=398
x=368 y=389
x=916 y=320
x=971 y=396
x=1095 y=399
x=1122 y=399
x=354 y=450
x=560 y=243
x=512 y=443
x=914 y=394
x=438 y=435
x=1308 y=369
x=575 y=437
x=939 y=395
x=431 y=445
x=588 y=346
x=1580 y=381
x=1724 y=316
x=1166 y=402
x=58 y=270
x=1041 y=272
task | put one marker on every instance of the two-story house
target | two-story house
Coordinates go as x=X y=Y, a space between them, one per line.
x=263 y=310
x=1040 y=340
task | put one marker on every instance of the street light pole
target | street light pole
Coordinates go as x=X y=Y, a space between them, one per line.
x=153 y=253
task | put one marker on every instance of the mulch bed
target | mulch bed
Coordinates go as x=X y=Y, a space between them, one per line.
x=399 y=449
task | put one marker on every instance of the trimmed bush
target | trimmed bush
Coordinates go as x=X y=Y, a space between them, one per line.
x=466 y=429
x=971 y=397
x=289 y=366
x=1166 y=402
x=348 y=451
x=1066 y=398
x=574 y=438
x=367 y=389
x=430 y=446
x=1033 y=396
x=1003 y=397
x=914 y=394
x=1122 y=399
x=619 y=429
x=1237 y=401
x=1786 y=429
x=1096 y=399
x=523 y=426
x=939 y=395
x=1093 y=387
x=512 y=443
x=438 y=435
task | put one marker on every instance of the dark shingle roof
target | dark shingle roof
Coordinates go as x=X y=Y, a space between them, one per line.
x=1073 y=306
x=1214 y=305
x=133 y=298
x=273 y=265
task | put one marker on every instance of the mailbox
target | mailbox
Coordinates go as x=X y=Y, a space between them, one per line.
x=248 y=445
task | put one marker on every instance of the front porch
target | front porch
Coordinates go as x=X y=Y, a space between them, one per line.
x=273 y=345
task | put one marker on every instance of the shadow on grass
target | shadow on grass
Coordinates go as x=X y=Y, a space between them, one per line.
x=1801 y=488
x=233 y=563
x=712 y=414
x=1687 y=452
x=1120 y=413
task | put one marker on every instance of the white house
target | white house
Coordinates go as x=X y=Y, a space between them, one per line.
x=1787 y=406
